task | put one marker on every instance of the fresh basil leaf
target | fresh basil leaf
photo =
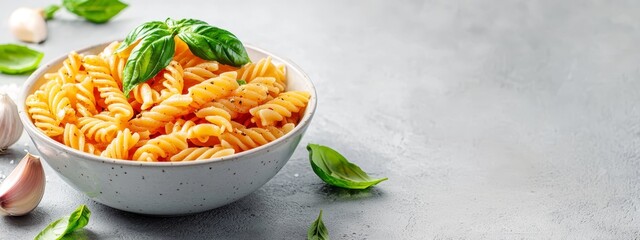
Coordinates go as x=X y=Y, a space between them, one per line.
x=241 y=82
x=212 y=43
x=336 y=170
x=50 y=11
x=183 y=23
x=150 y=56
x=61 y=228
x=317 y=230
x=96 y=11
x=18 y=59
x=140 y=32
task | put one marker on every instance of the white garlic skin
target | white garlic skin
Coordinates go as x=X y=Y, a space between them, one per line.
x=23 y=189
x=28 y=25
x=10 y=125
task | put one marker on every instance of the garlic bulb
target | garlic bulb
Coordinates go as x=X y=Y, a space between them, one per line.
x=23 y=189
x=10 y=125
x=28 y=25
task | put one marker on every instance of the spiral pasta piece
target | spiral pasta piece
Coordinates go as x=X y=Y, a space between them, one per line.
x=269 y=83
x=116 y=61
x=242 y=139
x=85 y=100
x=159 y=115
x=109 y=89
x=179 y=125
x=101 y=128
x=75 y=139
x=201 y=153
x=161 y=147
x=172 y=81
x=39 y=111
x=70 y=68
x=248 y=96
x=120 y=146
x=279 y=108
x=217 y=116
x=264 y=68
x=199 y=73
x=224 y=105
x=144 y=95
x=213 y=88
x=59 y=102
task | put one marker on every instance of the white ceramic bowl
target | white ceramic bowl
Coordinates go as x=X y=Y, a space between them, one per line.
x=168 y=188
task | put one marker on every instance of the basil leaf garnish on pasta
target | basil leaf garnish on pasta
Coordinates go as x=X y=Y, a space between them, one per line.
x=139 y=32
x=156 y=46
x=96 y=11
x=212 y=43
x=336 y=170
x=317 y=230
x=18 y=59
x=64 y=228
x=183 y=23
x=241 y=82
x=150 y=56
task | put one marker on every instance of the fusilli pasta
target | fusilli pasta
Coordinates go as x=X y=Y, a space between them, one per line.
x=192 y=110
x=279 y=108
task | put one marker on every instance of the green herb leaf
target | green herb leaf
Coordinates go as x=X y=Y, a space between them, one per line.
x=50 y=11
x=140 y=32
x=150 y=56
x=336 y=170
x=18 y=59
x=241 y=82
x=61 y=228
x=317 y=230
x=177 y=25
x=96 y=11
x=212 y=43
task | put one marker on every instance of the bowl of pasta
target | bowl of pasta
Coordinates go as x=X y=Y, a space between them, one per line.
x=197 y=136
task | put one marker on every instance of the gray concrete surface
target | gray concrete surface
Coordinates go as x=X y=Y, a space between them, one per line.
x=492 y=120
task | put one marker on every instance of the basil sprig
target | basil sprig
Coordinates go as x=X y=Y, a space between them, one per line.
x=156 y=47
x=18 y=59
x=336 y=170
x=96 y=11
x=317 y=230
x=64 y=228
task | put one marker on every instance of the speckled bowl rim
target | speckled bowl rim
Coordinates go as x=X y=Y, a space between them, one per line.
x=36 y=133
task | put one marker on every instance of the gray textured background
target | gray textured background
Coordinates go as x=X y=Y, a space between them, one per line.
x=492 y=120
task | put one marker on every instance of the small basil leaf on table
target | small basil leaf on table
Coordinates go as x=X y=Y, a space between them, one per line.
x=140 y=32
x=336 y=170
x=62 y=227
x=150 y=56
x=212 y=43
x=317 y=230
x=96 y=11
x=18 y=59
x=49 y=11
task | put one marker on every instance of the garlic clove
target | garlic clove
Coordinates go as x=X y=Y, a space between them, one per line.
x=28 y=25
x=23 y=189
x=10 y=124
